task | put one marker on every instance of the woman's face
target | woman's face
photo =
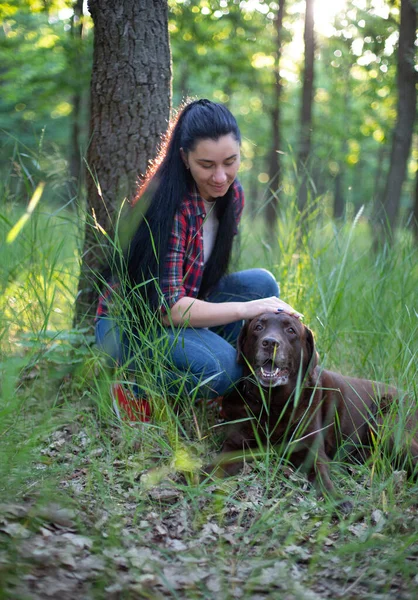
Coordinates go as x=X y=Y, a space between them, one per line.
x=214 y=165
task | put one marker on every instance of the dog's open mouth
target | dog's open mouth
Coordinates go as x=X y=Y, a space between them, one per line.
x=270 y=375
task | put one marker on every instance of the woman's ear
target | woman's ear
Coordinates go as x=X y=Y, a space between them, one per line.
x=184 y=158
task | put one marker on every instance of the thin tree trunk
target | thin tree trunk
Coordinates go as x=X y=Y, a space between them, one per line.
x=75 y=144
x=130 y=104
x=406 y=111
x=357 y=194
x=378 y=191
x=184 y=79
x=253 y=187
x=307 y=101
x=339 y=189
x=415 y=209
x=274 y=163
x=339 y=202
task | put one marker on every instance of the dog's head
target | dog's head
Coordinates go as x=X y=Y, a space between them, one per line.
x=277 y=347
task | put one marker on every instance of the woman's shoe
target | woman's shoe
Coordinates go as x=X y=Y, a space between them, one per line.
x=127 y=406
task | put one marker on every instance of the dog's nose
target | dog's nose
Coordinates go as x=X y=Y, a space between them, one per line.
x=270 y=343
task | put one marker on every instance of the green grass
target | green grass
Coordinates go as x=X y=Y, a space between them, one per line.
x=152 y=528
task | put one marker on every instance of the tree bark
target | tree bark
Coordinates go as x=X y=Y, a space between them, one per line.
x=307 y=101
x=339 y=208
x=184 y=78
x=378 y=180
x=415 y=209
x=130 y=104
x=75 y=144
x=274 y=163
x=406 y=111
x=339 y=200
x=339 y=204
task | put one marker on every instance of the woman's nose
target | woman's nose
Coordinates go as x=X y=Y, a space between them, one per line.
x=219 y=175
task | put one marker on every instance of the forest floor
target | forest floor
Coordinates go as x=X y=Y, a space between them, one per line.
x=93 y=517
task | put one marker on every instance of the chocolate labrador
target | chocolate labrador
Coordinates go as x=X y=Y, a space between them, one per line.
x=286 y=398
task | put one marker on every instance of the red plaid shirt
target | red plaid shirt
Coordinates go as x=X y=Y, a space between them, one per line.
x=183 y=268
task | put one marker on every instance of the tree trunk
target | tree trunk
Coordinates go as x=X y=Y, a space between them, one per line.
x=130 y=104
x=378 y=187
x=406 y=111
x=415 y=209
x=75 y=144
x=306 y=108
x=184 y=79
x=339 y=208
x=274 y=163
x=339 y=202
x=253 y=196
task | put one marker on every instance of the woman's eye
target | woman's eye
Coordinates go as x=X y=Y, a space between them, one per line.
x=230 y=163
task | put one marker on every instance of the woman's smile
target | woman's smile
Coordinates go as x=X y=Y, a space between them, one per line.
x=214 y=165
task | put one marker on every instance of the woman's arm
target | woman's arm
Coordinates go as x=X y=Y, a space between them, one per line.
x=198 y=313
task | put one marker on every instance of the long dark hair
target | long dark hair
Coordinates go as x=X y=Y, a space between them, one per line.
x=169 y=180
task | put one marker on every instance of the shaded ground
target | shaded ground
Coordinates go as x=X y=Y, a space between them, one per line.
x=114 y=530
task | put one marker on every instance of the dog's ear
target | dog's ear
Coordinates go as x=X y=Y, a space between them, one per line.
x=240 y=343
x=312 y=360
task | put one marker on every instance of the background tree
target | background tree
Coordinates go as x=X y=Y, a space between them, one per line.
x=306 y=106
x=130 y=103
x=406 y=112
x=415 y=208
x=355 y=107
x=271 y=212
x=226 y=51
x=76 y=56
x=44 y=76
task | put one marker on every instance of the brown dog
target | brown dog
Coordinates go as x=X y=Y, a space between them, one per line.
x=285 y=397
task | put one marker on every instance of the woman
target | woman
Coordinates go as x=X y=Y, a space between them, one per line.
x=178 y=258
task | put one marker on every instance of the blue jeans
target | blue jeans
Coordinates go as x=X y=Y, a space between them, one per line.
x=202 y=362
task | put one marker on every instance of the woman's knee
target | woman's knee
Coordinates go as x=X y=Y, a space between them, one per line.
x=262 y=281
x=225 y=382
x=206 y=372
x=217 y=385
x=222 y=375
x=268 y=283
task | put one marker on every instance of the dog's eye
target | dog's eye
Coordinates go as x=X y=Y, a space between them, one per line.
x=291 y=330
x=258 y=327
